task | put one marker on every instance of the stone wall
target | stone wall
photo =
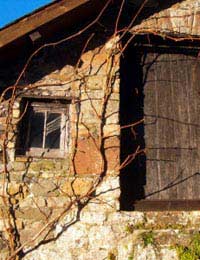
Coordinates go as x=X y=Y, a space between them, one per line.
x=40 y=189
x=103 y=233
x=181 y=19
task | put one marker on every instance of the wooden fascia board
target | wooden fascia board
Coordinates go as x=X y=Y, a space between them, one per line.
x=37 y=19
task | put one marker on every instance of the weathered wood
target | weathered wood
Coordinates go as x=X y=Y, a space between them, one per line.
x=172 y=127
x=47 y=14
x=37 y=19
x=165 y=205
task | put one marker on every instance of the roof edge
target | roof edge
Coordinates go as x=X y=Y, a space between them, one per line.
x=36 y=19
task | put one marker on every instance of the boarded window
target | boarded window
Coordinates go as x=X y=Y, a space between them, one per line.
x=163 y=87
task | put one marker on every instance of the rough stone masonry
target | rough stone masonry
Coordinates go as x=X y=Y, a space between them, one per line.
x=40 y=188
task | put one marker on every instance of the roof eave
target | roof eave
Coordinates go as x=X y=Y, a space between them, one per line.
x=33 y=21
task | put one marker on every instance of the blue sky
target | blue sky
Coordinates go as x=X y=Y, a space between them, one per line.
x=10 y=10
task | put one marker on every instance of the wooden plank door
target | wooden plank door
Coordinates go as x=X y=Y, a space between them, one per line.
x=171 y=85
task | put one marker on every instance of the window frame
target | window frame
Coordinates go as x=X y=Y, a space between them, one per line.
x=44 y=106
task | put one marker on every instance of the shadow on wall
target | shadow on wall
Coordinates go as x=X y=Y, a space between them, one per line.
x=56 y=57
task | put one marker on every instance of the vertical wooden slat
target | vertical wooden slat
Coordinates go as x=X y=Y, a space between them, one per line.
x=181 y=119
x=157 y=128
x=188 y=88
x=172 y=140
x=162 y=90
x=195 y=108
x=152 y=180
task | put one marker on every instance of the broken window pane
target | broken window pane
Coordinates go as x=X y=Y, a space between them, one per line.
x=53 y=131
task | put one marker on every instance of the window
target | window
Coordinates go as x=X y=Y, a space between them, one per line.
x=44 y=129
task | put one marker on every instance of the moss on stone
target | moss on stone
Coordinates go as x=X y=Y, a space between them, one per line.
x=129 y=228
x=131 y=257
x=47 y=165
x=190 y=252
x=140 y=226
x=35 y=166
x=148 y=238
x=111 y=256
x=44 y=165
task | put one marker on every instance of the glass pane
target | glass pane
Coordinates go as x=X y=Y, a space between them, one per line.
x=36 y=130
x=53 y=131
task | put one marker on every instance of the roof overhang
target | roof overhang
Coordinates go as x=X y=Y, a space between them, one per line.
x=50 y=23
x=43 y=16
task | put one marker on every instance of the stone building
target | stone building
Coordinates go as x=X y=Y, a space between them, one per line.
x=99 y=131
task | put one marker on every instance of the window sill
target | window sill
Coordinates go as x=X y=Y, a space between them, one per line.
x=29 y=158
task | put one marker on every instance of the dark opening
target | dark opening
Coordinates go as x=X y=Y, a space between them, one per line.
x=133 y=175
x=36 y=121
